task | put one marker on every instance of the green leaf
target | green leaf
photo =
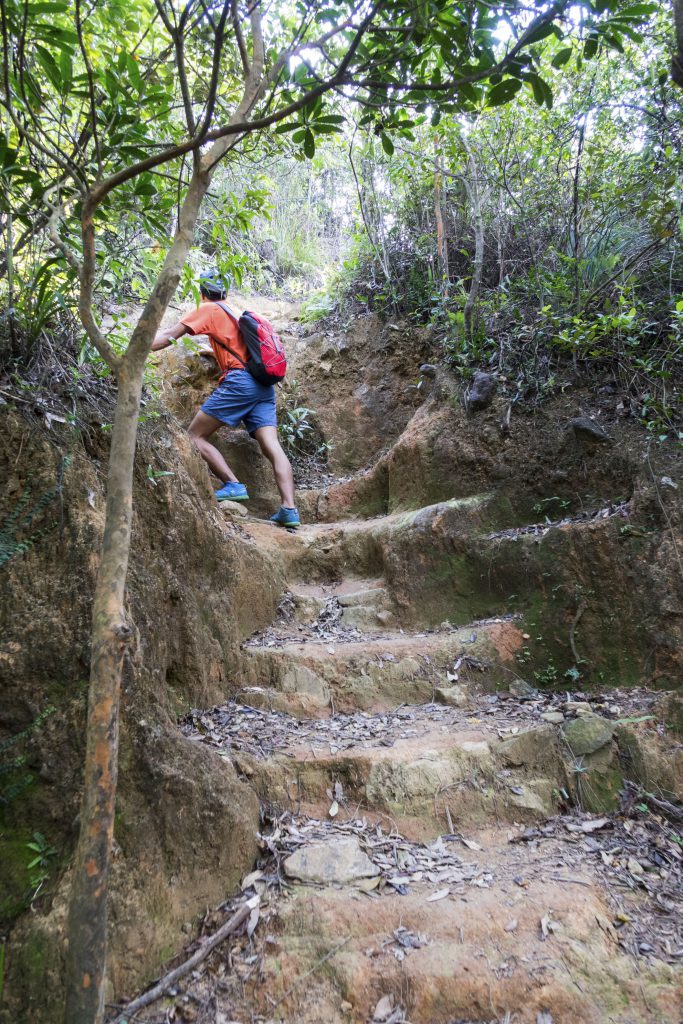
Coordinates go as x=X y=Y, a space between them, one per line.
x=134 y=73
x=49 y=7
x=542 y=32
x=66 y=67
x=309 y=144
x=49 y=66
x=637 y=11
x=590 y=47
x=281 y=128
x=387 y=144
x=561 y=57
x=503 y=92
x=330 y=119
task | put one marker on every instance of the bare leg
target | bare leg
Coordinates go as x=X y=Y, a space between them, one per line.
x=272 y=449
x=200 y=430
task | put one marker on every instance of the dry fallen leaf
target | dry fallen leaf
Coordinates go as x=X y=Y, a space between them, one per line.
x=383 y=1008
x=249 y=879
x=470 y=844
x=334 y=809
x=440 y=895
x=253 y=921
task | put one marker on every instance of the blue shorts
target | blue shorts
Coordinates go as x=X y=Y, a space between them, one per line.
x=240 y=397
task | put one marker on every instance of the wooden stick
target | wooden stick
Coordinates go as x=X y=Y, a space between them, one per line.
x=230 y=926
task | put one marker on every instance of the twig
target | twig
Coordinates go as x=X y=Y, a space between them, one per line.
x=574 y=881
x=668 y=809
x=314 y=968
x=230 y=926
x=572 y=630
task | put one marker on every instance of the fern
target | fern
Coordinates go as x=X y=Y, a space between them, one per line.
x=14 y=539
x=11 y=767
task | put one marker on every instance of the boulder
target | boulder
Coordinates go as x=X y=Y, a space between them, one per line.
x=587 y=431
x=536 y=746
x=587 y=734
x=335 y=862
x=480 y=393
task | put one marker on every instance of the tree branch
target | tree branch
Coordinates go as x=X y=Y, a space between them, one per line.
x=91 y=87
x=237 y=29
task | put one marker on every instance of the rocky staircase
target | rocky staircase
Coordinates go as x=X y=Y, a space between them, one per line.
x=428 y=855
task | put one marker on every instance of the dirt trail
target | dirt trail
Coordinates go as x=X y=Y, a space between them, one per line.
x=429 y=854
x=477 y=899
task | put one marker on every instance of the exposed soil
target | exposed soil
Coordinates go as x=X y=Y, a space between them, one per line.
x=463 y=668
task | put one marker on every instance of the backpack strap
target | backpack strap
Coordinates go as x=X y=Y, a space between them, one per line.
x=221 y=344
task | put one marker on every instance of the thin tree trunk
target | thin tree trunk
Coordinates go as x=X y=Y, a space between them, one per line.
x=677 y=60
x=111 y=633
x=472 y=188
x=441 y=245
x=576 y=220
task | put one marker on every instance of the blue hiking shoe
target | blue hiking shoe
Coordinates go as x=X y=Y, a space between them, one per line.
x=286 y=517
x=232 y=492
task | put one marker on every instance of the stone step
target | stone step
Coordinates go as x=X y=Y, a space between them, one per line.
x=456 y=770
x=382 y=671
x=325 y=552
x=363 y=604
x=441 y=564
x=533 y=938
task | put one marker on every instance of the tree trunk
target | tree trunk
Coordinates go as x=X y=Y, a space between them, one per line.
x=441 y=244
x=111 y=632
x=576 y=220
x=474 y=196
x=677 y=60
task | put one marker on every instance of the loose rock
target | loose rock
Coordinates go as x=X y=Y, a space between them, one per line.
x=480 y=394
x=335 y=862
x=233 y=508
x=587 y=734
x=587 y=431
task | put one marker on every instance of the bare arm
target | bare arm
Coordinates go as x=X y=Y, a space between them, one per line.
x=167 y=335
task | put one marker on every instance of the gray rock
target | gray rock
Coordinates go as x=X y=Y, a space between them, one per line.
x=587 y=734
x=534 y=746
x=481 y=391
x=587 y=431
x=578 y=706
x=453 y=696
x=554 y=717
x=232 y=508
x=428 y=370
x=337 y=861
x=371 y=598
x=520 y=688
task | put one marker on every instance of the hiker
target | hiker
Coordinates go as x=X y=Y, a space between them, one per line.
x=238 y=397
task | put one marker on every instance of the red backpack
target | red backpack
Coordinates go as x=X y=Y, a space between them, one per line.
x=266 y=362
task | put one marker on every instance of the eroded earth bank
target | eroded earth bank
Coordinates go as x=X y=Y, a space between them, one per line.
x=434 y=736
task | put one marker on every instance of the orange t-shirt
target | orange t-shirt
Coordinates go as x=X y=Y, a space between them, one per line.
x=214 y=322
